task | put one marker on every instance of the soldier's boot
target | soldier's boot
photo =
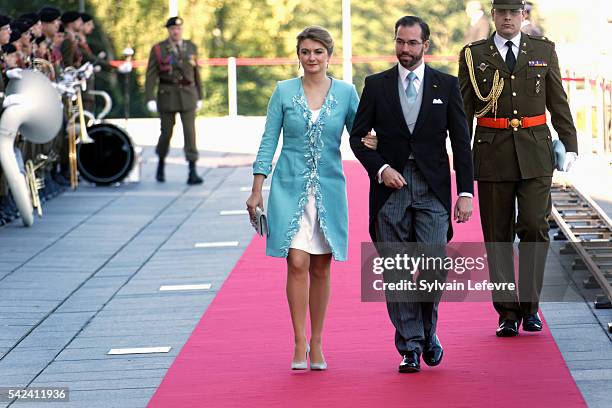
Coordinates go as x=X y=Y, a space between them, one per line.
x=193 y=175
x=160 y=176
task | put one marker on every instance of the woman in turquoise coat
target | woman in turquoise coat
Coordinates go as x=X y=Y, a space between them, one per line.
x=307 y=206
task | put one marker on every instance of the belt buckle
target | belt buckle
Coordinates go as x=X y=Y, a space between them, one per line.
x=515 y=123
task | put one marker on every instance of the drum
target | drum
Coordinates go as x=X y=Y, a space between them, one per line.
x=109 y=159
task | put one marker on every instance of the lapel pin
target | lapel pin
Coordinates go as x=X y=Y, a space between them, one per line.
x=482 y=67
x=524 y=52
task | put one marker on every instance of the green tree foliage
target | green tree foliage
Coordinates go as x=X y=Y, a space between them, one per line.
x=255 y=28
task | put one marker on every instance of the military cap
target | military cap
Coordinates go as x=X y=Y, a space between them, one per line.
x=174 y=21
x=15 y=34
x=70 y=17
x=508 y=4
x=8 y=49
x=4 y=20
x=35 y=17
x=26 y=23
x=86 y=17
x=49 y=14
x=528 y=6
x=20 y=26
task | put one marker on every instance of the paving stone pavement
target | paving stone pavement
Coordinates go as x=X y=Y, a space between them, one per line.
x=86 y=277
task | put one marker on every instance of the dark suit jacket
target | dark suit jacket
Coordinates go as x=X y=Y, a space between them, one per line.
x=380 y=109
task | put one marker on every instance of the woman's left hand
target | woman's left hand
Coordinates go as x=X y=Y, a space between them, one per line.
x=370 y=141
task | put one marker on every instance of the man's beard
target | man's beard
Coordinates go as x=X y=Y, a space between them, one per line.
x=413 y=62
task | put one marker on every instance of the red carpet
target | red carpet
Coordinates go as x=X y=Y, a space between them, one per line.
x=239 y=353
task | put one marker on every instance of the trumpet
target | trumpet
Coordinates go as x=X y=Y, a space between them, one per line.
x=37 y=183
x=72 y=138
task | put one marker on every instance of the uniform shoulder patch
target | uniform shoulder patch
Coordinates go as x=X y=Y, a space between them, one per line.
x=540 y=38
x=474 y=43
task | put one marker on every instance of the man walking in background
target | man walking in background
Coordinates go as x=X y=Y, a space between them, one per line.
x=173 y=69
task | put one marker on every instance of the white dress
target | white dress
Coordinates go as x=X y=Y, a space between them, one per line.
x=310 y=236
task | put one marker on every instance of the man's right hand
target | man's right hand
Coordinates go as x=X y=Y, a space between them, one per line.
x=393 y=179
x=152 y=106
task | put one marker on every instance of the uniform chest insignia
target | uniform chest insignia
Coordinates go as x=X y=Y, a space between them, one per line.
x=538 y=63
x=482 y=67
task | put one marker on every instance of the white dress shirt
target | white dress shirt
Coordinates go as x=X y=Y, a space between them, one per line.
x=420 y=75
x=500 y=43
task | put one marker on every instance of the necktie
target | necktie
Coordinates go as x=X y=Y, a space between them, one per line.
x=411 y=91
x=510 y=58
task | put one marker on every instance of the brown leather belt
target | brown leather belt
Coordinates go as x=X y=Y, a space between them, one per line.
x=504 y=123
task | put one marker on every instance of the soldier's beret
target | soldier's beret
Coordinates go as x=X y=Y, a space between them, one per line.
x=508 y=4
x=15 y=34
x=8 y=49
x=4 y=20
x=174 y=21
x=35 y=17
x=86 y=17
x=49 y=14
x=27 y=23
x=20 y=26
x=70 y=17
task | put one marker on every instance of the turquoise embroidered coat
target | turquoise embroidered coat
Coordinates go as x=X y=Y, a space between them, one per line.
x=310 y=158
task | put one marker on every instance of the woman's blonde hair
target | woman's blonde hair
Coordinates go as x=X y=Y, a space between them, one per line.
x=318 y=34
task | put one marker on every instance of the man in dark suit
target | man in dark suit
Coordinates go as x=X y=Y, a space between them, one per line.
x=413 y=108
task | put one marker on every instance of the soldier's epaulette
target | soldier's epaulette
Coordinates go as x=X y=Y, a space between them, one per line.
x=540 y=38
x=484 y=40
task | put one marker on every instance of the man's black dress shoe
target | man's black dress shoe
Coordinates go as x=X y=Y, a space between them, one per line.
x=433 y=352
x=532 y=323
x=507 y=328
x=410 y=363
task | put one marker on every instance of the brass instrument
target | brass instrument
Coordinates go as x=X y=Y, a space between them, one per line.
x=72 y=135
x=37 y=183
x=38 y=121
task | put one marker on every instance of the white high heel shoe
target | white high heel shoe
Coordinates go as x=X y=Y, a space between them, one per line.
x=301 y=365
x=318 y=366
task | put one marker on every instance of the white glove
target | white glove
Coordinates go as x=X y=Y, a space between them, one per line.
x=152 y=106
x=14 y=73
x=570 y=159
x=125 y=68
x=199 y=105
x=14 y=99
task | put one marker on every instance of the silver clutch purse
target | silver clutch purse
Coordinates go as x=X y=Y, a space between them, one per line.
x=261 y=222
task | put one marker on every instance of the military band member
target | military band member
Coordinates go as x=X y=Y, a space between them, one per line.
x=71 y=52
x=508 y=81
x=173 y=69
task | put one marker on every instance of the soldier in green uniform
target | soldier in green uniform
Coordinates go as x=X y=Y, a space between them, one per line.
x=508 y=81
x=173 y=69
